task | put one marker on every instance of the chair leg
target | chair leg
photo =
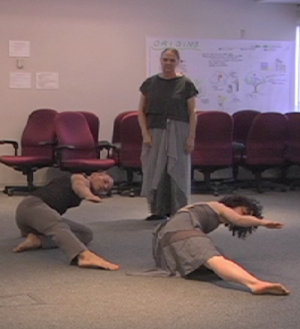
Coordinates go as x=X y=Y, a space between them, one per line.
x=235 y=171
x=10 y=190
x=258 y=182
x=283 y=178
x=192 y=176
x=210 y=187
x=30 y=181
x=130 y=183
x=130 y=186
x=266 y=184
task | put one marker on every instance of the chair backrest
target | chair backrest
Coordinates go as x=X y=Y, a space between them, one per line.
x=293 y=138
x=267 y=139
x=242 y=121
x=93 y=122
x=131 y=141
x=293 y=126
x=116 y=136
x=213 y=140
x=39 y=128
x=72 y=129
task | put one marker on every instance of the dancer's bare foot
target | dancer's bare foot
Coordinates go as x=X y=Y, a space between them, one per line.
x=32 y=242
x=90 y=260
x=269 y=288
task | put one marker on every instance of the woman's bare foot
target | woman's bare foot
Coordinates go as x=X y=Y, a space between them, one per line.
x=32 y=242
x=90 y=260
x=264 y=288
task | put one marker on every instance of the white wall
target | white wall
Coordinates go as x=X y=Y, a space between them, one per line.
x=98 y=49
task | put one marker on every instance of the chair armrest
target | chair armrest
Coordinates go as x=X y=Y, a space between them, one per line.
x=108 y=146
x=104 y=145
x=238 y=147
x=11 y=142
x=239 y=150
x=63 y=147
x=47 y=143
x=57 y=151
x=117 y=146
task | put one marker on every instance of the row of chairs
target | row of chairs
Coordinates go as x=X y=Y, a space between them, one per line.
x=69 y=141
x=249 y=139
x=277 y=138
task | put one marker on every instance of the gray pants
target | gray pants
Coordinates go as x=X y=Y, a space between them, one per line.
x=167 y=198
x=34 y=216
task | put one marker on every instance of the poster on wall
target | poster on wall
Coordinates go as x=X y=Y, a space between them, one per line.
x=20 y=80
x=47 y=80
x=231 y=75
x=19 y=48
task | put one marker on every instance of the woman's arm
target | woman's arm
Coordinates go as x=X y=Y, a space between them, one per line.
x=81 y=186
x=142 y=121
x=190 y=143
x=234 y=218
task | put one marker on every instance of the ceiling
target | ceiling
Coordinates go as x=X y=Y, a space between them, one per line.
x=295 y=2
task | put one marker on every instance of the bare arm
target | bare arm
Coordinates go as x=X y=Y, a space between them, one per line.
x=190 y=143
x=234 y=218
x=142 y=121
x=81 y=186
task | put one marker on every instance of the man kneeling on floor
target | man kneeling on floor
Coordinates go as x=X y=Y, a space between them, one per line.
x=38 y=217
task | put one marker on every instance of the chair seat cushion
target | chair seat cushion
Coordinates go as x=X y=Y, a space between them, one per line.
x=18 y=161
x=89 y=163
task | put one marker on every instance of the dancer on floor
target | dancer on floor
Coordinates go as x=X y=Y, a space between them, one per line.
x=181 y=245
x=38 y=217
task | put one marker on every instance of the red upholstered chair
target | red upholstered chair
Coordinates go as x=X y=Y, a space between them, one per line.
x=292 y=154
x=94 y=125
x=93 y=122
x=76 y=149
x=213 y=146
x=37 y=148
x=130 y=148
x=265 y=147
x=242 y=121
x=116 y=136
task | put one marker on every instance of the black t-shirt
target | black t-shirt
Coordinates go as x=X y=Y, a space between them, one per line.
x=167 y=99
x=58 y=194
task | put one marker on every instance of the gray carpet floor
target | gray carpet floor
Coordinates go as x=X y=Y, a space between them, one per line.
x=39 y=290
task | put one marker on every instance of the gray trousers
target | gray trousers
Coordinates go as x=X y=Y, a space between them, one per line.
x=34 y=216
x=167 y=198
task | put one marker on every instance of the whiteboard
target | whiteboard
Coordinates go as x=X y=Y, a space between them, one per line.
x=231 y=75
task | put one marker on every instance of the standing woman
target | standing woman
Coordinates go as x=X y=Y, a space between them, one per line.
x=168 y=123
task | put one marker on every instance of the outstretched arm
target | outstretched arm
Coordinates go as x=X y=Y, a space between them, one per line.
x=230 y=216
x=82 y=187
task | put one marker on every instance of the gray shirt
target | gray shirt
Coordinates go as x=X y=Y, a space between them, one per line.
x=167 y=99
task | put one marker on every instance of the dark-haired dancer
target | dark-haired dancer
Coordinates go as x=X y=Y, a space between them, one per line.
x=182 y=244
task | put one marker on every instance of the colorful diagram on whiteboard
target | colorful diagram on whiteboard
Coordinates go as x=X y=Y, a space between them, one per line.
x=233 y=74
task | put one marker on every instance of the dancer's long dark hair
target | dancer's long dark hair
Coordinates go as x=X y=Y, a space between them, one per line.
x=254 y=207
